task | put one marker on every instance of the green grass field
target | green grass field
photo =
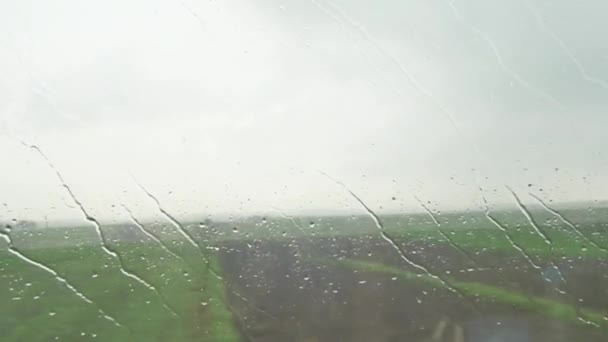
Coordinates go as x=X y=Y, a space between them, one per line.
x=186 y=301
x=178 y=291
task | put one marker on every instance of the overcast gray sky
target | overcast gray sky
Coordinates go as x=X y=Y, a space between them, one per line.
x=235 y=106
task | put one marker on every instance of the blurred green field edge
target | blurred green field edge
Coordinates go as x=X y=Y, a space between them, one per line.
x=223 y=324
x=563 y=245
x=543 y=306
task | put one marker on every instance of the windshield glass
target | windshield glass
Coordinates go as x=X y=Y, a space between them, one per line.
x=323 y=170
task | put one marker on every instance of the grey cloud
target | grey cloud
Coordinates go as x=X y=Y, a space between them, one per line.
x=240 y=95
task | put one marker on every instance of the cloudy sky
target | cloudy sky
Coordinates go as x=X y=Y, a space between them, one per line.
x=240 y=106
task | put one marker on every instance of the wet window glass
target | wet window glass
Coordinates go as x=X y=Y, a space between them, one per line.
x=323 y=170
